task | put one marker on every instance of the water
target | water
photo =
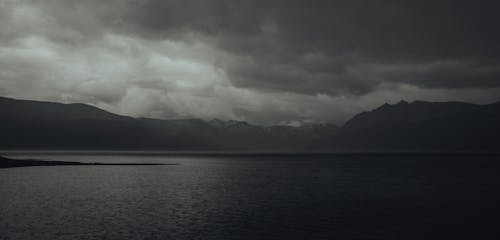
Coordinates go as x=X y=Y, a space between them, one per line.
x=254 y=197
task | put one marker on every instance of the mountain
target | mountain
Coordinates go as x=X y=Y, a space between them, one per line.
x=448 y=126
x=48 y=110
x=45 y=125
x=416 y=126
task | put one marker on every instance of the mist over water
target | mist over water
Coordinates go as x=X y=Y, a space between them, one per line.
x=253 y=197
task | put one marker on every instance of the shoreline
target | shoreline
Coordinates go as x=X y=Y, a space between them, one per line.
x=12 y=163
x=241 y=153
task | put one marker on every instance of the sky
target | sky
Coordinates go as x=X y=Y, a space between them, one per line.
x=261 y=61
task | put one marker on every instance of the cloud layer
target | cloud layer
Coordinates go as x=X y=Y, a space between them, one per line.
x=267 y=62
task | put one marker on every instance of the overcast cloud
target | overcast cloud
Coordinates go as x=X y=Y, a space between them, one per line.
x=266 y=62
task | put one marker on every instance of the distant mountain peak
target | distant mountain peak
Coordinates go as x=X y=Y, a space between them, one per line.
x=402 y=102
x=229 y=123
x=398 y=104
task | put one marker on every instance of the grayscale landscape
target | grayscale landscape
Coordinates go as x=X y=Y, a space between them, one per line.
x=249 y=119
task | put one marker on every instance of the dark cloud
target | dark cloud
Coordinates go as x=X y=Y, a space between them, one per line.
x=355 y=34
x=275 y=39
x=442 y=74
x=233 y=59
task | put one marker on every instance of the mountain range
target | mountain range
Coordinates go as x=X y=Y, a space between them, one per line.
x=415 y=126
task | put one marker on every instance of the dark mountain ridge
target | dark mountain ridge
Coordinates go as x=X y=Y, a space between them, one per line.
x=52 y=110
x=416 y=126
x=419 y=125
x=45 y=125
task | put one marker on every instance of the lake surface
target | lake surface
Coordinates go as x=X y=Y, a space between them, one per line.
x=254 y=197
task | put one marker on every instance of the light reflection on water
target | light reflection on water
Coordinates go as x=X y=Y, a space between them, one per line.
x=252 y=197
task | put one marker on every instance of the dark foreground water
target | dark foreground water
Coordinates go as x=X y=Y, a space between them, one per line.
x=254 y=197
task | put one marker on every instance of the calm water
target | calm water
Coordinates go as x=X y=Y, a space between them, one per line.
x=254 y=197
